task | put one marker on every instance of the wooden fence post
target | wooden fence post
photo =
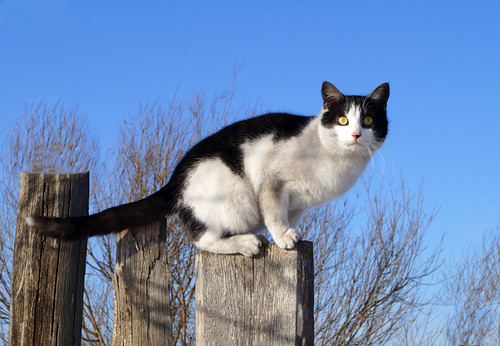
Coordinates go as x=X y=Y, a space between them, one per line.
x=141 y=284
x=48 y=275
x=266 y=300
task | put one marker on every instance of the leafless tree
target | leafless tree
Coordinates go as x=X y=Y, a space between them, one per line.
x=425 y=328
x=369 y=269
x=46 y=140
x=473 y=291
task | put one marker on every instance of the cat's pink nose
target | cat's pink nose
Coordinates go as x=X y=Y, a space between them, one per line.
x=356 y=135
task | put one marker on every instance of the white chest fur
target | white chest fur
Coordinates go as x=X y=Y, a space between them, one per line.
x=322 y=182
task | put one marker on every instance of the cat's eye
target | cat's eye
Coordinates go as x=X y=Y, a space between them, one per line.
x=368 y=120
x=342 y=120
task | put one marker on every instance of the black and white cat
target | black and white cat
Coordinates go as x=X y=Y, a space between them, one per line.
x=254 y=174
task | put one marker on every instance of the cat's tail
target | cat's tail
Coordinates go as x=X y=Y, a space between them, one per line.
x=111 y=220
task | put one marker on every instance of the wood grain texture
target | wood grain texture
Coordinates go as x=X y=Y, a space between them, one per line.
x=141 y=283
x=267 y=300
x=48 y=274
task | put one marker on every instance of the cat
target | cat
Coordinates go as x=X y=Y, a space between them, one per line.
x=258 y=173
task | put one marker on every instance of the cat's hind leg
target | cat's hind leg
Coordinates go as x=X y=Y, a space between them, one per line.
x=246 y=244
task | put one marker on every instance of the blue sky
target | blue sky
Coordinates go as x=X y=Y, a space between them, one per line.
x=442 y=59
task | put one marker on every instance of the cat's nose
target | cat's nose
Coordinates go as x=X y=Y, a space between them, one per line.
x=356 y=135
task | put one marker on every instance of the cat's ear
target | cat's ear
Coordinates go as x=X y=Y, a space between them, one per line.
x=330 y=94
x=380 y=94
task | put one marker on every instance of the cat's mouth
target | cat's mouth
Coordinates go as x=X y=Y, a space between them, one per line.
x=355 y=143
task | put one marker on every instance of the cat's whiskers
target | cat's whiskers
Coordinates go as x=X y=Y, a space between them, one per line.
x=335 y=152
x=388 y=161
x=382 y=162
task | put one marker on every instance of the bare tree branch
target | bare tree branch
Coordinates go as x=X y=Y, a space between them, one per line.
x=473 y=290
x=368 y=283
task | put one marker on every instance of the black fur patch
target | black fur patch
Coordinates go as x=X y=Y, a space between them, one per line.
x=378 y=112
x=226 y=144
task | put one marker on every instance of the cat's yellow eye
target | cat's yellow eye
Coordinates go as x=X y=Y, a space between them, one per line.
x=368 y=120
x=342 y=120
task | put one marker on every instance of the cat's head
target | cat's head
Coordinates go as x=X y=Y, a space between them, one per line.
x=353 y=124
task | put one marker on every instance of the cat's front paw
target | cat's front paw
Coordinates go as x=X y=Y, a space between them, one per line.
x=249 y=245
x=288 y=239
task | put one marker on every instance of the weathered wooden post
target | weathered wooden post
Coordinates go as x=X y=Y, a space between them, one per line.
x=48 y=275
x=141 y=283
x=267 y=300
